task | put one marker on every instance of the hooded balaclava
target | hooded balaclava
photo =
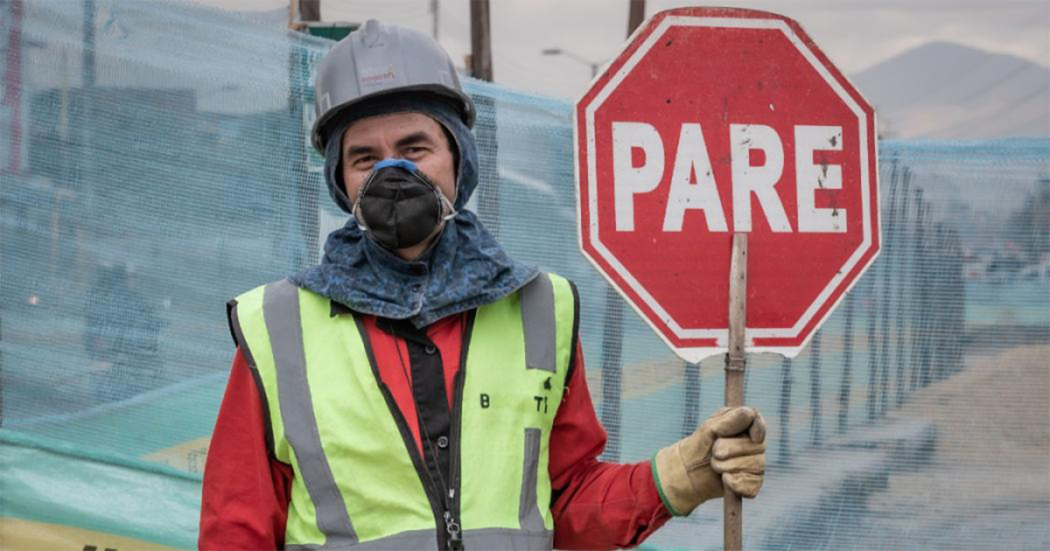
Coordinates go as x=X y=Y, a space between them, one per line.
x=464 y=268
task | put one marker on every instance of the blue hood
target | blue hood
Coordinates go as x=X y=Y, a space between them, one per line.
x=465 y=267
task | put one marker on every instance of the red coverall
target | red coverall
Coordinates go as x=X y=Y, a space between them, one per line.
x=597 y=505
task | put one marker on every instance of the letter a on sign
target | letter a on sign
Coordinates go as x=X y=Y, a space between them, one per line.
x=691 y=159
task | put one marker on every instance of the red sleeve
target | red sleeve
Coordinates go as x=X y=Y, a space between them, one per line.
x=598 y=505
x=245 y=495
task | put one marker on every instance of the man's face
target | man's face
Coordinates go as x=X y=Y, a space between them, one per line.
x=411 y=136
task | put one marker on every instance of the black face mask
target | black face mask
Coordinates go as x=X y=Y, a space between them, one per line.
x=398 y=206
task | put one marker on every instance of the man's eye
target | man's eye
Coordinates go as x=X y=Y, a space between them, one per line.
x=415 y=151
x=365 y=162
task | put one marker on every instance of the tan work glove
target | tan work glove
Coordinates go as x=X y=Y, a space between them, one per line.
x=727 y=450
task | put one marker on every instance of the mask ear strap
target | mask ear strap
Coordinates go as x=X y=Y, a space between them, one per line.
x=452 y=212
x=447 y=205
x=358 y=218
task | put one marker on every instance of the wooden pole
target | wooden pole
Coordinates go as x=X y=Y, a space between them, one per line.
x=899 y=236
x=293 y=15
x=888 y=270
x=784 y=437
x=847 y=366
x=816 y=403
x=13 y=84
x=733 y=520
x=303 y=12
x=480 y=41
x=435 y=11
x=309 y=10
x=480 y=65
x=612 y=373
x=635 y=16
x=919 y=250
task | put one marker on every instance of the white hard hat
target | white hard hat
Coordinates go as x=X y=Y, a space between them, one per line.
x=379 y=59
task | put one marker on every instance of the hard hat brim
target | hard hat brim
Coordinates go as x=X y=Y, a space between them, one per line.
x=319 y=132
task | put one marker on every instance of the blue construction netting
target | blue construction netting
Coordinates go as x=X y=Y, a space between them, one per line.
x=156 y=164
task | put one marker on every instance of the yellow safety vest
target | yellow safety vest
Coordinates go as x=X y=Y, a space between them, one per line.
x=359 y=479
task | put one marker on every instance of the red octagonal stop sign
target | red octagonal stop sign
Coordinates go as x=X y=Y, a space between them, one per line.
x=713 y=121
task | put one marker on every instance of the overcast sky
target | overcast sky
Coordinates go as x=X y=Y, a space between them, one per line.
x=856 y=34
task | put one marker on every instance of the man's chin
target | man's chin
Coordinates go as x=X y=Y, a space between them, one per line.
x=409 y=254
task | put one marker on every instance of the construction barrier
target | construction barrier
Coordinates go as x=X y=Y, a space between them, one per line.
x=156 y=163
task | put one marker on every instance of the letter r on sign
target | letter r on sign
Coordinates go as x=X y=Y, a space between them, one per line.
x=759 y=181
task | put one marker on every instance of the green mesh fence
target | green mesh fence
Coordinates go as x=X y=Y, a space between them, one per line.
x=155 y=164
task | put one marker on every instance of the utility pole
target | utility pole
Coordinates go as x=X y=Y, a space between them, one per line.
x=635 y=16
x=88 y=68
x=434 y=12
x=480 y=40
x=85 y=166
x=310 y=10
x=300 y=14
x=14 y=13
x=480 y=66
x=293 y=15
x=12 y=98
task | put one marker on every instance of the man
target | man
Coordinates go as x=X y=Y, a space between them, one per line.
x=420 y=389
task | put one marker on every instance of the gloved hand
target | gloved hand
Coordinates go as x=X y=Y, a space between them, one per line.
x=727 y=450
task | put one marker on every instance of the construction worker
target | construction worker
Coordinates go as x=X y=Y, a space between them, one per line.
x=420 y=389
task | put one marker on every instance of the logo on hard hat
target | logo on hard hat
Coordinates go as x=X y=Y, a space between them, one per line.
x=376 y=76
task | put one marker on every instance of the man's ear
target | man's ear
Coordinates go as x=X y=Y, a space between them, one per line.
x=454 y=147
x=341 y=183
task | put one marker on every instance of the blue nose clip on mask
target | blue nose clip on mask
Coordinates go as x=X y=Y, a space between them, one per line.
x=398 y=206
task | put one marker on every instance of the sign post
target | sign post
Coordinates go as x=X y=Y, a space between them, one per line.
x=727 y=186
x=736 y=362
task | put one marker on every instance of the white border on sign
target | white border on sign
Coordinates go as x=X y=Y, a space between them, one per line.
x=721 y=335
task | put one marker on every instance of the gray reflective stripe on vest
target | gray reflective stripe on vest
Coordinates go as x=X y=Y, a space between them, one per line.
x=417 y=539
x=528 y=510
x=537 y=318
x=502 y=538
x=486 y=538
x=281 y=312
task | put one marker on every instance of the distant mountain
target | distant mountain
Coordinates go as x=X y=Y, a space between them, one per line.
x=947 y=90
